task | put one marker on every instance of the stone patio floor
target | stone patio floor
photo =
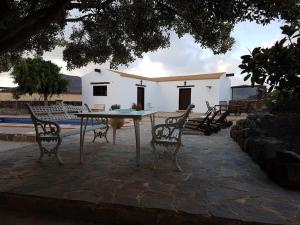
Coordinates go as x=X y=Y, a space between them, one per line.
x=218 y=179
x=9 y=217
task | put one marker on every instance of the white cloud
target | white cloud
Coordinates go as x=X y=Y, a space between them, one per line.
x=270 y=43
x=147 y=67
x=56 y=56
x=6 y=80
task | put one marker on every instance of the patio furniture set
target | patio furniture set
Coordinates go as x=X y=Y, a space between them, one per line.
x=222 y=107
x=211 y=122
x=48 y=130
x=46 y=122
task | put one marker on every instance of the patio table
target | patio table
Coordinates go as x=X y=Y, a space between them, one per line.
x=136 y=116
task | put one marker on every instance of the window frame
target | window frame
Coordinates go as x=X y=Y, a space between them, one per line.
x=100 y=93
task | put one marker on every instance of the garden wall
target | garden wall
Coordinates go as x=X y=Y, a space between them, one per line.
x=19 y=107
x=273 y=142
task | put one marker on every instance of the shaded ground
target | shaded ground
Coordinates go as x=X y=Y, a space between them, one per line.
x=9 y=217
x=218 y=179
x=8 y=145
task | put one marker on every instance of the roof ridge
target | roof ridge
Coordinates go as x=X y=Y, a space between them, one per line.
x=204 y=76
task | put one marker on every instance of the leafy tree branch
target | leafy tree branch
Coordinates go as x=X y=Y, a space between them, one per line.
x=38 y=76
x=277 y=66
x=121 y=30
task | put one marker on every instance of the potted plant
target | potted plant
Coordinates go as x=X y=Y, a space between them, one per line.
x=116 y=122
x=136 y=107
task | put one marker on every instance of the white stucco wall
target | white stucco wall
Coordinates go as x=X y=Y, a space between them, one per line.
x=169 y=94
x=162 y=96
x=225 y=88
x=87 y=88
x=120 y=90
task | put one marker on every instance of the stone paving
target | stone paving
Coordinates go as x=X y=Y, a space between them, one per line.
x=8 y=145
x=218 y=179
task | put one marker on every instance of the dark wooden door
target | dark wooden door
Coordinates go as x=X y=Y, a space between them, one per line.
x=184 y=98
x=141 y=97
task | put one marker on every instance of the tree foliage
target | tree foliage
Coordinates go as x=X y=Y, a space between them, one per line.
x=38 y=76
x=121 y=30
x=277 y=102
x=277 y=66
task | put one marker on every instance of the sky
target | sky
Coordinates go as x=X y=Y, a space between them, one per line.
x=184 y=56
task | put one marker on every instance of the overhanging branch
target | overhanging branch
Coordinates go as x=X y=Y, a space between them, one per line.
x=22 y=31
x=78 y=19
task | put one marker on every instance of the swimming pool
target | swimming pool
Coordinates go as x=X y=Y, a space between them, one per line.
x=29 y=121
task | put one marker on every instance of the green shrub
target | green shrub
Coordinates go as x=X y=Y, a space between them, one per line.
x=136 y=107
x=115 y=106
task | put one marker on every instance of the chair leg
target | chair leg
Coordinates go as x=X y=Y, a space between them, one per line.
x=41 y=150
x=60 y=161
x=41 y=155
x=178 y=168
x=106 y=139
x=105 y=134
x=155 y=155
x=56 y=152
x=95 y=135
x=153 y=147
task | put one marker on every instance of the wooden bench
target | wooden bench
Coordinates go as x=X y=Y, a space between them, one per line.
x=48 y=130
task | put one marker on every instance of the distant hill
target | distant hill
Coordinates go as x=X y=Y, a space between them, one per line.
x=74 y=83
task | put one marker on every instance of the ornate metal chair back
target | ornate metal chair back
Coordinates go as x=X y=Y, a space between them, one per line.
x=208 y=105
x=184 y=116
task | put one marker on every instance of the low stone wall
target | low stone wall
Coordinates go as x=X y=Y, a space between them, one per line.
x=17 y=137
x=273 y=142
x=19 y=107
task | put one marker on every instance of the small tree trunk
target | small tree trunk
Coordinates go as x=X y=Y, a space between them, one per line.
x=45 y=100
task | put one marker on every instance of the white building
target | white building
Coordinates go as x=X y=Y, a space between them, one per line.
x=166 y=94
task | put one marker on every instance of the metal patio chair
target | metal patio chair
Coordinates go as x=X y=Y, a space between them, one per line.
x=209 y=108
x=168 y=135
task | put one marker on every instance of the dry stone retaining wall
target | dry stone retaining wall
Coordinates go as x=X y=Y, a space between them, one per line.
x=273 y=142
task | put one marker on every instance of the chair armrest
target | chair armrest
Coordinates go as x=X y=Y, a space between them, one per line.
x=46 y=128
x=173 y=119
x=166 y=132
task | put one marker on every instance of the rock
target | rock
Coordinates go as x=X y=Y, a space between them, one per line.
x=258 y=151
x=293 y=175
x=249 y=144
x=287 y=157
x=277 y=171
x=266 y=138
x=233 y=132
x=251 y=132
x=246 y=123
